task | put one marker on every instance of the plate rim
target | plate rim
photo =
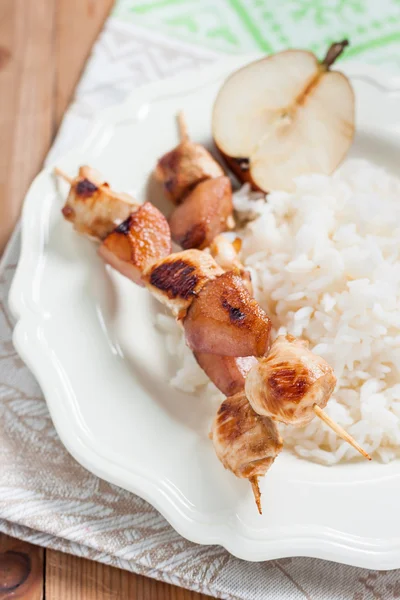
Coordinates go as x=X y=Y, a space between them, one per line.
x=323 y=542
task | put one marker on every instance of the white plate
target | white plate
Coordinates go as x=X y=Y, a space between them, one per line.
x=88 y=336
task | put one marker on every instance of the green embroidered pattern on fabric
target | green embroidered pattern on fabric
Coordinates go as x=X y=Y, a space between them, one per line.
x=373 y=26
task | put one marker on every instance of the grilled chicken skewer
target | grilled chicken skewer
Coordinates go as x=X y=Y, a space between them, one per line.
x=142 y=234
x=220 y=317
x=181 y=169
x=245 y=442
x=193 y=179
x=292 y=385
x=92 y=207
x=178 y=280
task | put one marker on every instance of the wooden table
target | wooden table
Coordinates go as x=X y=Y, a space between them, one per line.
x=31 y=573
x=43 y=47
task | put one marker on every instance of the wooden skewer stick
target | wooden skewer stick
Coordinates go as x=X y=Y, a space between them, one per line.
x=340 y=431
x=63 y=175
x=182 y=126
x=256 y=491
x=105 y=189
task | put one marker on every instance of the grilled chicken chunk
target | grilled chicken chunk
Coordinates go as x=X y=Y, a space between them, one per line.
x=177 y=279
x=181 y=169
x=228 y=373
x=226 y=255
x=246 y=443
x=224 y=319
x=286 y=384
x=203 y=214
x=92 y=207
x=226 y=252
x=137 y=242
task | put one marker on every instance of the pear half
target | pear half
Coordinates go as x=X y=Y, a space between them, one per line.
x=283 y=116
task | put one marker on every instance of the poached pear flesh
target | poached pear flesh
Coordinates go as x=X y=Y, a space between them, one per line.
x=284 y=116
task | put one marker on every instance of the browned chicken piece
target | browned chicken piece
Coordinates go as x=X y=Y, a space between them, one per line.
x=228 y=373
x=292 y=385
x=177 y=279
x=226 y=252
x=137 y=242
x=92 y=207
x=226 y=255
x=224 y=319
x=203 y=215
x=289 y=382
x=181 y=169
x=246 y=443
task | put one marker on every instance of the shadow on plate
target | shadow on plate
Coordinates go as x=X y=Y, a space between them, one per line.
x=153 y=368
x=378 y=149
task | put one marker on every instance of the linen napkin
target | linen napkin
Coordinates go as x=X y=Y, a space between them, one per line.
x=45 y=496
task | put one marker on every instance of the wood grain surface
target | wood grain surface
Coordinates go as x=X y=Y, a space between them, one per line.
x=43 y=47
x=21 y=570
x=72 y=578
x=28 y=572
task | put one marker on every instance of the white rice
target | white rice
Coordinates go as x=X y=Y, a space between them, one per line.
x=325 y=267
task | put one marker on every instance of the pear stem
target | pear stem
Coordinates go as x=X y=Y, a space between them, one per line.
x=182 y=127
x=63 y=175
x=339 y=430
x=256 y=491
x=334 y=51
